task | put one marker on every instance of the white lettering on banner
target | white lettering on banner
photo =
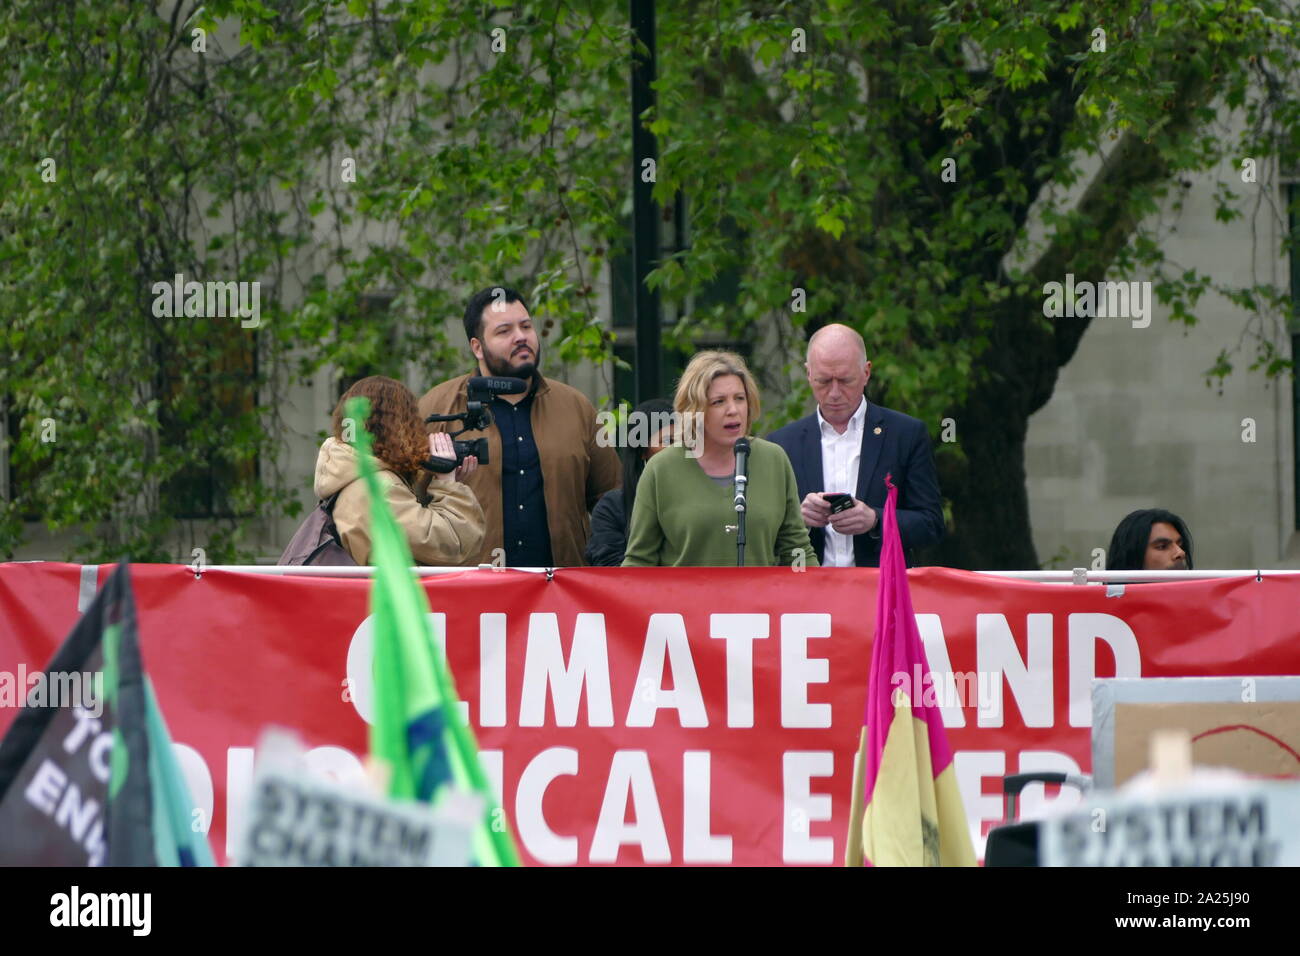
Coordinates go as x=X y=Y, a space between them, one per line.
x=545 y=669
x=361 y=652
x=547 y=673
x=740 y=631
x=198 y=781
x=629 y=773
x=1035 y=678
x=1085 y=631
x=936 y=655
x=537 y=836
x=699 y=844
x=802 y=807
x=491 y=670
x=239 y=784
x=972 y=766
x=666 y=635
x=1034 y=803
x=1030 y=679
x=798 y=670
x=667 y=643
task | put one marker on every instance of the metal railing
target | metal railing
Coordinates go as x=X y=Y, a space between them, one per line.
x=1074 y=576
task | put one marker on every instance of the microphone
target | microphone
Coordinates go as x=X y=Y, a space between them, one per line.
x=741 y=449
x=496 y=386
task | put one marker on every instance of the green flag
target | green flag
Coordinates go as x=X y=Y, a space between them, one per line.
x=417 y=732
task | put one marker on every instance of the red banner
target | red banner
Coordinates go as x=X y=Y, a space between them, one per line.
x=660 y=715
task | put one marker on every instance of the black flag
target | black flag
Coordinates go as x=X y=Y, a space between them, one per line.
x=87 y=776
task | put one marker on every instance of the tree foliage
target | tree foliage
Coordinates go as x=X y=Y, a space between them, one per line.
x=491 y=143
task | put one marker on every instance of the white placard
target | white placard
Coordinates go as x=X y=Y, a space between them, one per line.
x=1253 y=825
x=295 y=819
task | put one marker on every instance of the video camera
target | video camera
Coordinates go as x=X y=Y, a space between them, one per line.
x=476 y=417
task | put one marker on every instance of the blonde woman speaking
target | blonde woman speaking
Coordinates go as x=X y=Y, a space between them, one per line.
x=685 y=513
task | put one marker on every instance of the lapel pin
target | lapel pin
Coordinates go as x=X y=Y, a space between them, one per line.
x=877 y=430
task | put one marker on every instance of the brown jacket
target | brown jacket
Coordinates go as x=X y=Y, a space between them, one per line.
x=575 y=470
x=443 y=533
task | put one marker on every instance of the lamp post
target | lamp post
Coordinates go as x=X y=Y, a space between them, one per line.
x=645 y=213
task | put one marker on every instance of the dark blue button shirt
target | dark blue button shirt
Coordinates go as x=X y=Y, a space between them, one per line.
x=523 y=502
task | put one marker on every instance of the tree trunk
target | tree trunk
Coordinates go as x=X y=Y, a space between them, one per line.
x=990 y=506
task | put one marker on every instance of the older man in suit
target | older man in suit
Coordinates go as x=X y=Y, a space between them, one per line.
x=848 y=446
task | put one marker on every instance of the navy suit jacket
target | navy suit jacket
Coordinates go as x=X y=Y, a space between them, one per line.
x=892 y=443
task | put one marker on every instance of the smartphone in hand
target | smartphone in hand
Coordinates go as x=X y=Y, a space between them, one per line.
x=838 y=500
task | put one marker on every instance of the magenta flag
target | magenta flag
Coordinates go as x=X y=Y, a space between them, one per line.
x=906 y=808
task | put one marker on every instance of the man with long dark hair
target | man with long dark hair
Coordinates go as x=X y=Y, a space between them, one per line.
x=1152 y=539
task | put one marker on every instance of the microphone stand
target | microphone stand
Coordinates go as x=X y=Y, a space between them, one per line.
x=740 y=519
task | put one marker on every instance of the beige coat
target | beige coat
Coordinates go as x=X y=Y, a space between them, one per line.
x=447 y=531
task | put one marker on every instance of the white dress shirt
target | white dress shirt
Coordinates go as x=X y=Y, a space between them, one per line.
x=840 y=456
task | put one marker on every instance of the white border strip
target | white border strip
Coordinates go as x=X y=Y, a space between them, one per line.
x=341 y=571
x=1127 y=577
x=1043 y=577
x=87 y=587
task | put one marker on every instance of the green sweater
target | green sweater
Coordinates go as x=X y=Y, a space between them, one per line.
x=681 y=516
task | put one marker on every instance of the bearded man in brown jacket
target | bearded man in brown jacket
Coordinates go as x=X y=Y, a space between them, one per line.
x=545 y=468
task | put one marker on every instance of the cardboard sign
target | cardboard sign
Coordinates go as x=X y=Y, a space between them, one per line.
x=1259 y=738
x=1257 y=825
x=1250 y=724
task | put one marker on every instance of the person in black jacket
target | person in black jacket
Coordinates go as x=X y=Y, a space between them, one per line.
x=848 y=445
x=613 y=512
